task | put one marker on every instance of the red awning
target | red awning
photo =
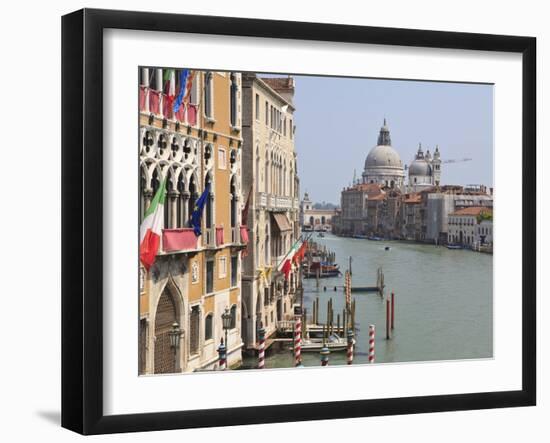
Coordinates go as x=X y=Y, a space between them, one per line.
x=282 y=222
x=219 y=235
x=244 y=234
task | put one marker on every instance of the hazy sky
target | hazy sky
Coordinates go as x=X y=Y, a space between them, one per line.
x=338 y=120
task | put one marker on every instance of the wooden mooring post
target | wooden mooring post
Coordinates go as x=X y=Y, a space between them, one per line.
x=392 y=309
x=317 y=311
x=388 y=333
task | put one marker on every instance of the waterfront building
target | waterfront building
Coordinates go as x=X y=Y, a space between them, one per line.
x=440 y=202
x=361 y=209
x=383 y=164
x=425 y=170
x=194 y=280
x=484 y=234
x=471 y=226
x=270 y=171
x=315 y=219
x=410 y=217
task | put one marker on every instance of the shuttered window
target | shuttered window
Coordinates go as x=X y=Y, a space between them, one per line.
x=208 y=323
x=194 y=326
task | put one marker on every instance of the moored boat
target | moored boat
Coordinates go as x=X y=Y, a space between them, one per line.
x=323 y=269
x=454 y=246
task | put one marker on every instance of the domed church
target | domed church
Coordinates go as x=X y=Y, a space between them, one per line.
x=425 y=171
x=383 y=164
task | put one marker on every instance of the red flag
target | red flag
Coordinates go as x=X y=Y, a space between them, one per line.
x=154 y=101
x=244 y=213
x=188 y=86
x=299 y=256
x=180 y=115
x=142 y=97
x=287 y=267
x=244 y=239
x=191 y=114
x=167 y=103
x=219 y=235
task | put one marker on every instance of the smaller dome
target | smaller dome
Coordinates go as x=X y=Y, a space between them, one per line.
x=420 y=167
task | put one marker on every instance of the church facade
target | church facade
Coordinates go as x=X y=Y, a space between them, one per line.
x=388 y=199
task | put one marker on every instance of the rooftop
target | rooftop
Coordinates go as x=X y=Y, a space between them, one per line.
x=473 y=211
x=280 y=83
x=414 y=197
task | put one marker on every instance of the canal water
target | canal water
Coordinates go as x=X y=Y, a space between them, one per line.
x=443 y=302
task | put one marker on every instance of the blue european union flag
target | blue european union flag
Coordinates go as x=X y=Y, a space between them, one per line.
x=183 y=85
x=196 y=216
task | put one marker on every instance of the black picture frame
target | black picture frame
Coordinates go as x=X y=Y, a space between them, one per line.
x=82 y=218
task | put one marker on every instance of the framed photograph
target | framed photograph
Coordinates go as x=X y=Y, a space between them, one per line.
x=273 y=221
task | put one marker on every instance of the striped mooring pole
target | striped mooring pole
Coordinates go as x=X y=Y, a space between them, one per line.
x=298 y=341
x=261 y=349
x=222 y=356
x=325 y=352
x=350 y=347
x=348 y=289
x=371 y=343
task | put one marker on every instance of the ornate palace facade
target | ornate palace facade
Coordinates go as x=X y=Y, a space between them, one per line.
x=270 y=174
x=194 y=280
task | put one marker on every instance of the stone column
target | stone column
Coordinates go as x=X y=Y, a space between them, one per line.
x=145 y=76
x=185 y=207
x=172 y=209
x=145 y=82
x=158 y=85
x=147 y=196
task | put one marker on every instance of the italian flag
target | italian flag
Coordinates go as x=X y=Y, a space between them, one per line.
x=286 y=265
x=151 y=228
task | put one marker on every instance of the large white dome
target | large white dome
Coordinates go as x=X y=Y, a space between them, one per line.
x=383 y=164
x=383 y=156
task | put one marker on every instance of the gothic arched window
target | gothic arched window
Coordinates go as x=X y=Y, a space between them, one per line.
x=233 y=99
x=208 y=94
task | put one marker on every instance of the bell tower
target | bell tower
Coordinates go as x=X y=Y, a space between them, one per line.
x=436 y=165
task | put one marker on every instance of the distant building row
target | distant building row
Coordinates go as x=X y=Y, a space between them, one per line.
x=382 y=205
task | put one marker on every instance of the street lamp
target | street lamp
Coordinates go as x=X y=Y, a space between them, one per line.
x=175 y=335
x=226 y=323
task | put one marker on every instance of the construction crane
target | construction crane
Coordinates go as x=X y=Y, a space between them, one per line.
x=452 y=160
x=460 y=160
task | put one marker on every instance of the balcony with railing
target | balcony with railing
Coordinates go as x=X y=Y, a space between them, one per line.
x=239 y=235
x=261 y=199
x=184 y=239
x=274 y=202
x=210 y=237
x=179 y=240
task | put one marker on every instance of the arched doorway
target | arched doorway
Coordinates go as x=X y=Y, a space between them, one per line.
x=166 y=316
